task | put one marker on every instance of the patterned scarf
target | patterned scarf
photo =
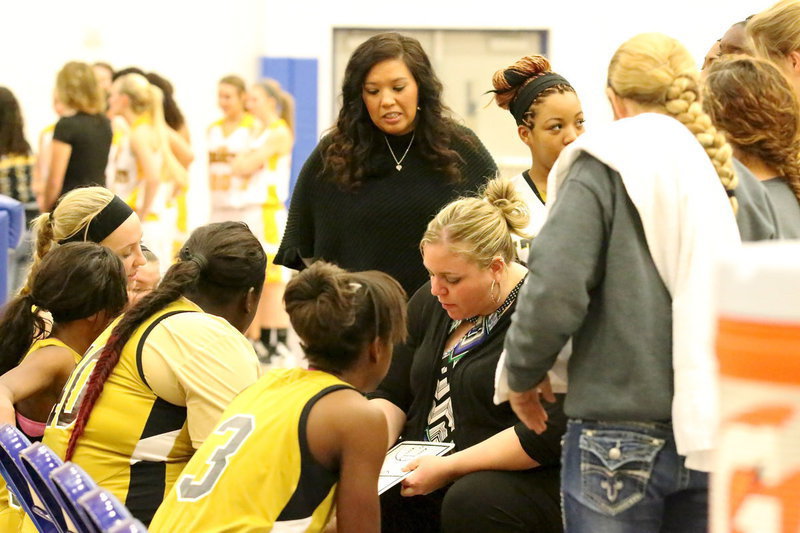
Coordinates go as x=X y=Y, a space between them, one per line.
x=440 y=419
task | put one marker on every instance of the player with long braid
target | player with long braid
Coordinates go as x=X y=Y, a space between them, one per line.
x=623 y=266
x=153 y=385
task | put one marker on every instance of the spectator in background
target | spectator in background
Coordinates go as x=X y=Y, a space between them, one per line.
x=147 y=173
x=81 y=139
x=265 y=170
x=104 y=75
x=16 y=171
x=180 y=145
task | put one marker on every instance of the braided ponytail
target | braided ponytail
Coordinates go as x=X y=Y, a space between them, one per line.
x=180 y=276
x=43 y=229
x=682 y=103
x=658 y=72
x=221 y=261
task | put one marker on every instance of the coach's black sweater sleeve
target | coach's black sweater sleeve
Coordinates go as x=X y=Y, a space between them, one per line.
x=298 y=239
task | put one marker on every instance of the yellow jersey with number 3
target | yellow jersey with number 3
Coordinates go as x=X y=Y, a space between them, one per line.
x=255 y=471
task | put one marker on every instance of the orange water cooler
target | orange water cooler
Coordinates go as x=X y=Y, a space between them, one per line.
x=755 y=487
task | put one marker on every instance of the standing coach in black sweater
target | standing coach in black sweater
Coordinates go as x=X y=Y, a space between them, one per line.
x=393 y=159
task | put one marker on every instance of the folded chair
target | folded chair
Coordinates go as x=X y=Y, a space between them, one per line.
x=129 y=526
x=12 y=443
x=103 y=509
x=38 y=462
x=71 y=482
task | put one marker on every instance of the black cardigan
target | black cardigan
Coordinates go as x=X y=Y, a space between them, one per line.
x=379 y=225
x=415 y=369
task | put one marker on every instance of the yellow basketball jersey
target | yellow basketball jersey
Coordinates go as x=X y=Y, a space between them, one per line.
x=11 y=513
x=255 y=471
x=135 y=444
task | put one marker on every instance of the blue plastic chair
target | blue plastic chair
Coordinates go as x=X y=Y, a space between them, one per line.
x=71 y=482
x=12 y=443
x=38 y=461
x=104 y=509
x=129 y=526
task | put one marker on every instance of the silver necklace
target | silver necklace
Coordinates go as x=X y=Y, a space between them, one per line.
x=398 y=162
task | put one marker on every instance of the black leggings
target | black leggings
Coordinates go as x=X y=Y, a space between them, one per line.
x=482 y=502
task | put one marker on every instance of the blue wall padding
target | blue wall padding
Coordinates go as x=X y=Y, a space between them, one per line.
x=16 y=219
x=4 y=242
x=299 y=77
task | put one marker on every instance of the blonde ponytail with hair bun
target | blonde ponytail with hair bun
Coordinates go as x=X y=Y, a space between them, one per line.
x=480 y=228
x=503 y=196
x=657 y=72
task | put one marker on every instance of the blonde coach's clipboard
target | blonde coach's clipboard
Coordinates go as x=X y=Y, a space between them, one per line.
x=403 y=453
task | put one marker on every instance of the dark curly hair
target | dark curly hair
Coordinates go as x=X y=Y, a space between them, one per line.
x=354 y=135
x=753 y=103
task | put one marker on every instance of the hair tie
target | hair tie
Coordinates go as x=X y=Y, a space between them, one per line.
x=200 y=260
x=29 y=296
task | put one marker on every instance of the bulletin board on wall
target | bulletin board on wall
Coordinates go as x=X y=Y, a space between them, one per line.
x=464 y=60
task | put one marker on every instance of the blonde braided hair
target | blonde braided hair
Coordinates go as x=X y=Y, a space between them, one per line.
x=658 y=72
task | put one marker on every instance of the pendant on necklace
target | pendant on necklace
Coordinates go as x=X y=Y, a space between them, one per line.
x=399 y=167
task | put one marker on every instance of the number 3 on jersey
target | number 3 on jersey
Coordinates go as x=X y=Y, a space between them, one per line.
x=240 y=427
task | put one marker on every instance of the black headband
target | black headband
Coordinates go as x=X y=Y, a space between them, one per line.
x=103 y=224
x=528 y=94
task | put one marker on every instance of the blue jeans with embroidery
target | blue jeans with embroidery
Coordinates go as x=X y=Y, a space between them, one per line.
x=627 y=477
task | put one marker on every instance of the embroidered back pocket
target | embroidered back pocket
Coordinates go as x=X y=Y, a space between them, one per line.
x=615 y=468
